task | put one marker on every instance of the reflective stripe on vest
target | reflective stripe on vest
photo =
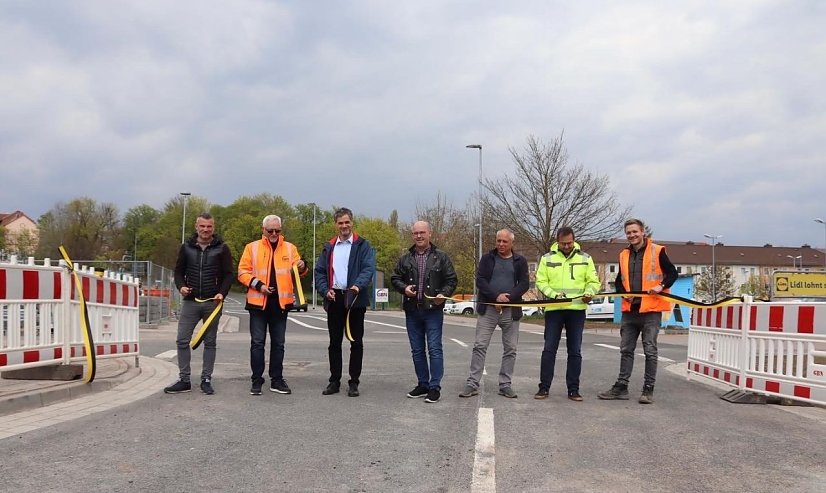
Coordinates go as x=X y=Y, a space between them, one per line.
x=261 y=272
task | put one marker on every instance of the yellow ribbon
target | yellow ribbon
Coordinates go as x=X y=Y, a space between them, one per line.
x=199 y=337
x=86 y=329
x=679 y=300
x=299 y=292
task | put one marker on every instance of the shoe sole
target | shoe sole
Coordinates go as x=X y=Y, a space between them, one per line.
x=429 y=401
x=614 y=398
x=176 y=391
x=208 y=393
x=575 y=399
x=325 y=392
x=411 y=396
x=277 y=391
x=540 y=396
x=352 y=394
x=255 y=392
x=475 y=392
x=508 y=396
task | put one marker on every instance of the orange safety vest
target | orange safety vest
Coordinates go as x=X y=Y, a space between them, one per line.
x=652 y=275
x=255 y=266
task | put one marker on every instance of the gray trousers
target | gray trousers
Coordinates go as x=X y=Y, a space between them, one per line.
x=191 y=313
x=634 y=325
x=485 y=325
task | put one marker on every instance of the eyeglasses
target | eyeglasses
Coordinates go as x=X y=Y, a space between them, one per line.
x=272 y=231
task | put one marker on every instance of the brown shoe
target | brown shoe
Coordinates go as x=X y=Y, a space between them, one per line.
x=574 y=396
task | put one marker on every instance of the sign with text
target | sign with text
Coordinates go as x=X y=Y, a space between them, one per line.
x=382 y=295
x=799 y=284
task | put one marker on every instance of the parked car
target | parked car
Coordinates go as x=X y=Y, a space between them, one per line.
x=601 y=307
x=530 y=310
x=298 y=308
x=463 y=307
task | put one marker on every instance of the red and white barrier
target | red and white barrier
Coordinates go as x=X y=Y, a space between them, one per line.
x=40 y=314
x=776 y=349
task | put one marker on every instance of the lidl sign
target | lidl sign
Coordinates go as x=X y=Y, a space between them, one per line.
x=799 y=284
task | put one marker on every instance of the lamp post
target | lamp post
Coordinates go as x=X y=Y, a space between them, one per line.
x=479 y=192
x=794 y=260
x=821 y=221
x=313 y=281
x=185 y=195
x=713 y=239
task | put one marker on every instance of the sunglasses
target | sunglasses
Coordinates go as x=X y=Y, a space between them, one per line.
x=272 y=231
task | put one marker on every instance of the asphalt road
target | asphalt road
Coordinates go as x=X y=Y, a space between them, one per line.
x=689 y=440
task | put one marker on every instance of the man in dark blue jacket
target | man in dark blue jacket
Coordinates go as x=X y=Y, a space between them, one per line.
x=204 y=270
x=343 y=275
x=502 y=277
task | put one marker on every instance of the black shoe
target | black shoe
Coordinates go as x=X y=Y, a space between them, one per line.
x=617 y=392
x=332 y=388
x=541 y=394
x=647 y=396
x=256 y=387
x=280 y=386
x=178 y=387
x=353 y=391
x=419 y=391
x=433 y=395
x=206 y=386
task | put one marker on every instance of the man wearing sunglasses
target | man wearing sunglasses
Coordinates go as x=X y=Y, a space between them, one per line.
x=266 y=268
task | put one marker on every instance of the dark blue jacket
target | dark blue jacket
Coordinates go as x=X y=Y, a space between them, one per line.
x=360 y=269
x=520 y=279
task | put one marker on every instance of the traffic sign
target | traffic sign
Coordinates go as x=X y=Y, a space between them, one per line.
x=787 y=284
x=382 y=295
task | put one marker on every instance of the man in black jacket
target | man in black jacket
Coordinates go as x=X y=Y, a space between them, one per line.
x=502 y=277
x=204 y=270
x=425 y=271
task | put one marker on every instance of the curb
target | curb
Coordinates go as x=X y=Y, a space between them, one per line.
x=34 y=399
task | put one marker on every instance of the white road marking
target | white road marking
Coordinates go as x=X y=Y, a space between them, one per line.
x=659 y=358
x=483 y=479
x=389 y=332
x=457 y=341
x=387 y=325
x=292 y=317
x=307 y=325
x=167 y=354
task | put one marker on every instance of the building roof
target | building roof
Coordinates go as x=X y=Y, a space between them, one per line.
x=11 y=217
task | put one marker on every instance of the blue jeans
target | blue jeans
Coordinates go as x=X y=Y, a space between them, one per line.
x=424 y=329
x=574 y=323
x=274 y=319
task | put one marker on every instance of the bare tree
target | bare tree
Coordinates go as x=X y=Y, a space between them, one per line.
x=545 y=191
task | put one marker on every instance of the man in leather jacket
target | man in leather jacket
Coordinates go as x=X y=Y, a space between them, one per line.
x=204 y=270
x=421 y=272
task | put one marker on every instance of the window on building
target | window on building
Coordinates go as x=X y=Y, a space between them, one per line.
x=679 y=269
x=612 y=268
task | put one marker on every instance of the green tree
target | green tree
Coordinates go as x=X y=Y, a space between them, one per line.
x=88 y=230
x=139 y=233
x=2 y=238
x=723 y=284
x=25 y=243
x=756 y=286
x=545 y=191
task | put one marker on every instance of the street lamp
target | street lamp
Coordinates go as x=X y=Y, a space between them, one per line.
x=821 y=221
x=794 y=260
x=185 y=195
x=314 y=252
x=713 y=239
x=479 y=192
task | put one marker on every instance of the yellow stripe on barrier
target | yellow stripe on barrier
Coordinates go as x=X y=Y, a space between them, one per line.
x=86 y=329
x=199 y=337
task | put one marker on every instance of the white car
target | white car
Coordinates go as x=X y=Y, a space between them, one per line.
x=463 y=307
x=530 y=310
x=601 y=307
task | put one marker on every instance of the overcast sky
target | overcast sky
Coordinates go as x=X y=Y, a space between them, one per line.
x=708 y=117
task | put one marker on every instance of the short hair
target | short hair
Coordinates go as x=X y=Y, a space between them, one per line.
x=271 y=217
x=634 y=220
x=204 y=215
x=565 y=231
x=343 y=211
x=427 y=224
x=509 y=232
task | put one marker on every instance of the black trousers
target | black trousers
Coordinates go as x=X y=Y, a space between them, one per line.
x=336 y=323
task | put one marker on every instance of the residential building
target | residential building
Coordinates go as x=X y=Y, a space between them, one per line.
x=21 y=232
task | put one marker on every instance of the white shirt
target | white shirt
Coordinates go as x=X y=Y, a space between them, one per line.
x=341 y=257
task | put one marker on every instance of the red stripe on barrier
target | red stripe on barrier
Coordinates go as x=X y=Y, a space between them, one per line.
x=729 y=317
x=135 y=296
x=126 y=348
x=31 y=356
x=727 y=377
x=31 y=285
x=71 y=352
x=113 y=293
x=99 y=350
x=57 y=292
x=113 y=349
x=800 y=391
x=708 y=317
x=4 y=360
x=749 y=383
x=776 y=319
x=87 y=290
x=99 y=290
x=718 y=317
x=716 y=373
x=58 y=353
x=806 y=320
x=753 y=319
x=2 y=284
x=124 y=291
x=705 y=370
x=772 y=386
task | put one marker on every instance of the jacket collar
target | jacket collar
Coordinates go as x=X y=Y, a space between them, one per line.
x=353 y=239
